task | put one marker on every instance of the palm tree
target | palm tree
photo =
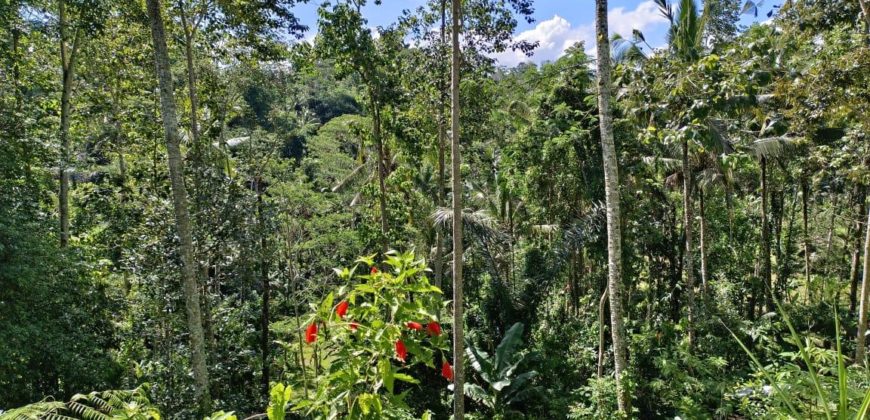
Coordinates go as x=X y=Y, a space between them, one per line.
x=611 y=190
x=685 y=41
x=766 y=149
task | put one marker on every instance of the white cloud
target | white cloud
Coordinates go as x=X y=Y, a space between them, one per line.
x=555 y=35
x=644 y=16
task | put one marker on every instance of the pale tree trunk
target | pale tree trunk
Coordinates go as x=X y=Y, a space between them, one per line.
x=704 y=274
x=688 y=263
x=182 y=214
x=602 y=304
x=611 y=189
x=865 y=296
x=456 y=160
x=68 y=62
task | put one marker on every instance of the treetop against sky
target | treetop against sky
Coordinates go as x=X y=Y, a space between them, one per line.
x=558 y=24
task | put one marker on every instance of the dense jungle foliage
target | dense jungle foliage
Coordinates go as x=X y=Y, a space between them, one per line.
x=201 y=211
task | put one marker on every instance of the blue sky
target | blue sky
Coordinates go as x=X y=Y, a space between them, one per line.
x=558 y=23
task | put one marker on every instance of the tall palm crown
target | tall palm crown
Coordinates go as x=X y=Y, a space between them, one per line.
x=686 y=34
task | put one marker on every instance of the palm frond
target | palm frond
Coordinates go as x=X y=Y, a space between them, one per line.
x=772 y=147
x=480 y=224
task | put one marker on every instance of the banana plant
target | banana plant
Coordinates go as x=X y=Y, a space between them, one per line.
x=504 y=387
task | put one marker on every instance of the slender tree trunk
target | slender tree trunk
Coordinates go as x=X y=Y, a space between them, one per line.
x=182 y=214
x=456 y=161
x=189 y=37
x=854 y=272
x=68 y=63
x=611 y=189
x=264 y=277
x=729 y=203
x=765 y=239
x=689 y=263
x=784 y=264
x=602 y=304
x=829 y=240
x=865 y=298
x=704 y=273
x=442 y=135
x=382 y=188
x=805 y=192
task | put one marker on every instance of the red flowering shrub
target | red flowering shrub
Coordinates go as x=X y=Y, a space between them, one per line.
x=370 y=339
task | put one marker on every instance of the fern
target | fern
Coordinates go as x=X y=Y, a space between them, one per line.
x=104 y=405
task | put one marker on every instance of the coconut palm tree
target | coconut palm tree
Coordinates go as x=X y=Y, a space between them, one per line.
x=611 y=193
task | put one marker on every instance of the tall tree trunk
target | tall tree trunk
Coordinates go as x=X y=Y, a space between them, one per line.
x=611 y=189
x=456 y=160
x=68 y=64
x=182 y=214
x=689 y=263
x=865 y=297
x=765 y=239
x=805 y=192
x=702 y=209
x=854 y=274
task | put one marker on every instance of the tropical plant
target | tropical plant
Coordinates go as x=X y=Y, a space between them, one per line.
x=803 y=387
x=505 y=387
x=105 y=405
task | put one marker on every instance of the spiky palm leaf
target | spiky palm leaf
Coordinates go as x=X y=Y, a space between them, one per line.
x=625 y=50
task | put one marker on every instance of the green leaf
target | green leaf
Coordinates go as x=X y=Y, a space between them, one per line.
x=406 y=378
x=387 y=374
x=279 y=397
x=508 y=346
x=478 y=394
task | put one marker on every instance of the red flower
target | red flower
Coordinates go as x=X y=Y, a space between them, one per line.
x=341 y=309
x=353 y=326
x=311 y=333
x=433 y=328
x=414 y=325
x=447 y=371
x=374 y=271
x=401 y=351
